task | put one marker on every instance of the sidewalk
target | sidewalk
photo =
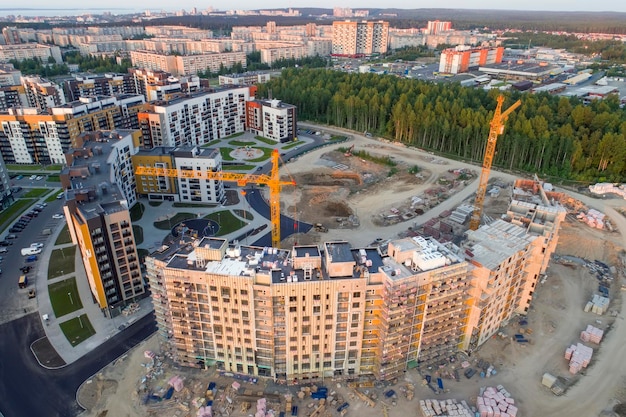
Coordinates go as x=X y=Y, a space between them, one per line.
x=104 y=327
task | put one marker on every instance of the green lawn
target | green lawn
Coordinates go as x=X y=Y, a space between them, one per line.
x=53 y=178
x=77 y=329
x=52 y=197
x=33 y=167
x=138 y=232
x=11 y=212
x=241 y=143
x=168 y=224
x=228 y=221
x=244 y=213
x=136 y=212
x=267 y=153
x=64 y=297
x=142 y=253
x=36 y=192
x=265 y=140
x=238 y=167
x=292 y=145
x=225 y=152
x=64 y=237
x=62 y=261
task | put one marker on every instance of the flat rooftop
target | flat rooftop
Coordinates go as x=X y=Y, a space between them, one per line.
x=491 y=244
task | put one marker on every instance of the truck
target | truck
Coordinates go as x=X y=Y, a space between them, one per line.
x=30 y=251
x=319 y=227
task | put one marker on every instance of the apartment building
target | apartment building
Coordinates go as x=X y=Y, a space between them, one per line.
x=187 y=64
x=28 y=136
x=5 y=186
x=247 y=78
x=98 y=85
x=355 y=39
x=42 y=94
x=181 y=188
x=434 y=27
x=305 y=314
x=12 y=96
x=100 y=190
x=24 y=51
x=9 y=76
x=461 y=58
x=272 y=119
x=270 y=55
x=194 y=119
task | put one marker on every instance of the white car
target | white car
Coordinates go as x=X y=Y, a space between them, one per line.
x=57 y=216
x=32 y=177
x=39 y=177
x=36 y=245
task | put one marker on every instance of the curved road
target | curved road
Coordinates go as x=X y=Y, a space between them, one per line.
x=288 y=226
x=27 y=389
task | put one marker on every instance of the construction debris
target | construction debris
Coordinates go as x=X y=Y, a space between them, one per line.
x=578 y=356
x=496 y=402
x=445 y=408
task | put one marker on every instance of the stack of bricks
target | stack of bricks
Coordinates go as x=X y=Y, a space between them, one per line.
x=496 y=402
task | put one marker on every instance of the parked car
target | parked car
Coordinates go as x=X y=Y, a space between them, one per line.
x=5 y=243
x=58 y=216
x=32 y=177
x=39 y=177
x=33 y=213
x=15 y=230
x=11 y=236
x=25 y=269
x=36 y=245
x=19 y=177
x=31 y=258
x=3 y=249
x=60 y=196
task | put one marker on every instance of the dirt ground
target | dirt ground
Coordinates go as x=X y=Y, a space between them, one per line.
x=331 y=185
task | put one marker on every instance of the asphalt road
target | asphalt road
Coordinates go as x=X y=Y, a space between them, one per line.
x=288 y=226
x=12 y=299
x=27 y=389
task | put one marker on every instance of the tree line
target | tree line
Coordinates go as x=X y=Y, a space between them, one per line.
x=549 y=135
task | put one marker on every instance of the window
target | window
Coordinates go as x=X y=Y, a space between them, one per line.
x=293 y=309
x=356 y=294
x=355 y=305
x=316 y=309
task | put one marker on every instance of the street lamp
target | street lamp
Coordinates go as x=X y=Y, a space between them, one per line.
x=69 y=294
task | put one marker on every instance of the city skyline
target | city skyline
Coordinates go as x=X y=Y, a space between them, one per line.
x=118 y=6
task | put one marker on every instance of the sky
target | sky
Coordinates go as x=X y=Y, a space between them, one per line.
x=170 y=5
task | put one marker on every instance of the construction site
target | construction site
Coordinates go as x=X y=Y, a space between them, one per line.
x=547 y=342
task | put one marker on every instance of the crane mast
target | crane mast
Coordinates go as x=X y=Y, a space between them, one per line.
x=495 y=130
x=272 y=181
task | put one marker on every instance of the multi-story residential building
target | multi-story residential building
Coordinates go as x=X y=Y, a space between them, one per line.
x=5 y=185
x=29 y=51
x=194 y=119
x=9 y=76
x=462 y=58
x=181 y=188
x=28 y=136
x=271 y=119
x=247 y=78
x=100 y=190
x=307 y=314
x=42 y=94
x=159 y=85
x=271 y=55
x=434 y=27
x=98 y=85
x=509 y=256
x=187 y=64
x=12 y=96
x=354 y=39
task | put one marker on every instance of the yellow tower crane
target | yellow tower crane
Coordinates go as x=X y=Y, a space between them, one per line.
x=496 y=129
x=272 y=181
